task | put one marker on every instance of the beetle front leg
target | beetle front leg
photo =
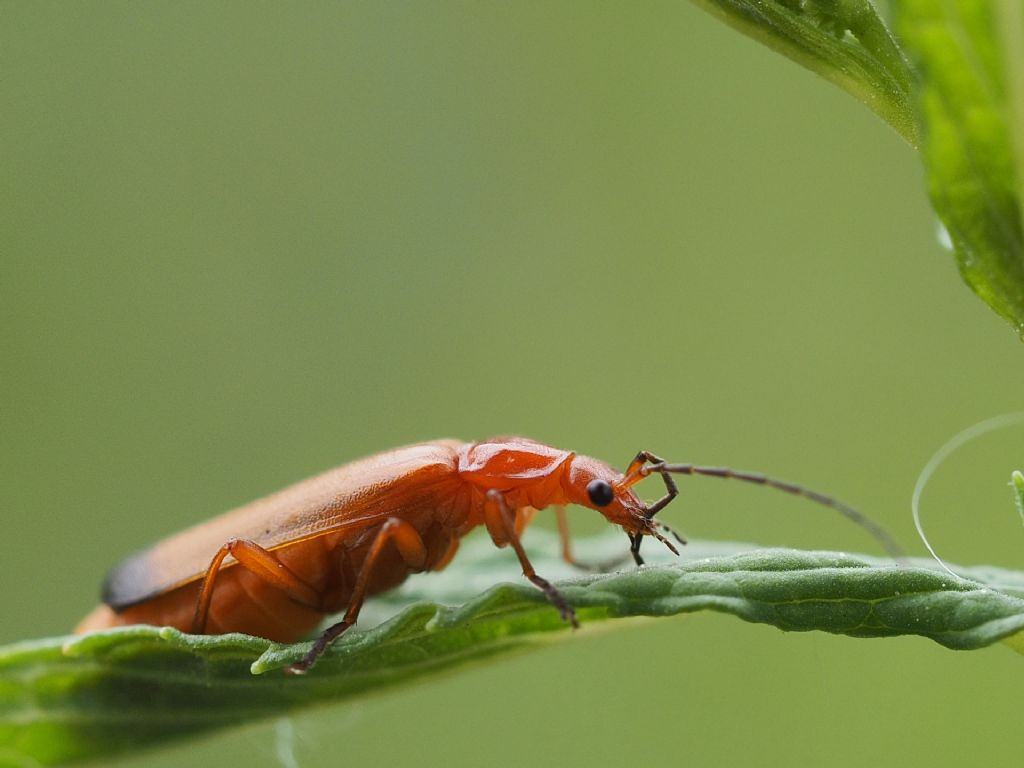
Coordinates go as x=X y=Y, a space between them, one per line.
x=500 y=522
x=643 y=465
x=635 y=539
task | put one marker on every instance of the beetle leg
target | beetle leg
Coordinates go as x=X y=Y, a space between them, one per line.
x=449 y=553
x=410 y=546
x=671 y=491
x=637 y=464
x=500 y=523
x=635 y=539
x=564 y=537
x=644 y=464
x=523 y=518
x=260 y=562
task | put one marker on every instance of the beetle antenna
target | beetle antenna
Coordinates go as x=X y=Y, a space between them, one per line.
x=877 y=531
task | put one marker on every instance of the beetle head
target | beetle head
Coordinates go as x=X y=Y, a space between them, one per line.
x=594 y=484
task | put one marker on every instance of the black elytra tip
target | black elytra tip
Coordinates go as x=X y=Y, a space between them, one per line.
x=600 y=493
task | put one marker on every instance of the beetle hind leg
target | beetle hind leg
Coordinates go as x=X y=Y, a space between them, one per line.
x=260 y=562
x=410 y=546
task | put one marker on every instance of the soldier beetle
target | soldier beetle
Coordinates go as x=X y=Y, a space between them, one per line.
x=275 y=567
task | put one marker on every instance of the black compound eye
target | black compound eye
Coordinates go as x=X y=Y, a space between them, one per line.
x=600 y=493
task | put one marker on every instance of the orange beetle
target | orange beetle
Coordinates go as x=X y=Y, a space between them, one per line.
x=275 y=567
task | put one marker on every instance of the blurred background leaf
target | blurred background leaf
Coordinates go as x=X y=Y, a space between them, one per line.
x=968 y=96
x=970 y=58
x=844 y=41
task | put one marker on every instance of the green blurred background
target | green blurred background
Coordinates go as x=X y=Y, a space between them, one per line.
x=244 y=242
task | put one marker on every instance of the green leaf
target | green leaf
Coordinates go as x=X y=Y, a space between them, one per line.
x=844 y=41
x=71 y=698
x=971 y=102
x=1017 y=483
